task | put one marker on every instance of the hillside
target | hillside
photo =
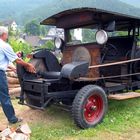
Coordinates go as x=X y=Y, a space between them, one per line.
x=19 y=9
x=135 y=3
x=24 y=11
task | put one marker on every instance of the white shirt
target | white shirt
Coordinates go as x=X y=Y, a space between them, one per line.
x=7 y=55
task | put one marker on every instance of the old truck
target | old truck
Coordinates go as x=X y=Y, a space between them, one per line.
x=101 y=62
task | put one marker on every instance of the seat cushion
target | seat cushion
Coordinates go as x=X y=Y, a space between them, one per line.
x=50 y=60
x=74 y=70
x=49 y=75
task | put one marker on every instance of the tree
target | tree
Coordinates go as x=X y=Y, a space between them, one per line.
x=43 y=30
x=88 y=35
x=33 y=28
x=49 y=45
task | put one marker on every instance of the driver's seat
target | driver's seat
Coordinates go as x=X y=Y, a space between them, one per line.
x=54 y=70
x=50 y=60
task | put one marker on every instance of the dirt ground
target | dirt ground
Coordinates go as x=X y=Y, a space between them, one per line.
x=30 y=116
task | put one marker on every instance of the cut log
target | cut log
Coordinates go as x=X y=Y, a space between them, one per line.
x=12 y=80
x=13 y=86
x=11 y=74
x=3 y=127
x=14 y=92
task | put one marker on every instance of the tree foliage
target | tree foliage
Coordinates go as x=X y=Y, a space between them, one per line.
x=88 y=35
x=34 y=28
x=20 y=46
x=48 y=45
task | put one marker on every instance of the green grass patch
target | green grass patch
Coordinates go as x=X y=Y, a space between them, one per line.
x=122 y=116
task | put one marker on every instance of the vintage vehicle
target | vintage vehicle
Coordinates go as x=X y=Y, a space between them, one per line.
x=102 y=64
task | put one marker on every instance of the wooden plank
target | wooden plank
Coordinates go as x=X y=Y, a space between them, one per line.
x=86 y=79
x=106 y=77
x=3 y=127
x=124 y=96
x=114 y=63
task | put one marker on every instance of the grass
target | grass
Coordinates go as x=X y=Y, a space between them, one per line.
x=120 y=123
x=122 y=118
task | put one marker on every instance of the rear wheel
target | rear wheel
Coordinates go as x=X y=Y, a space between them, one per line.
x=89 y=106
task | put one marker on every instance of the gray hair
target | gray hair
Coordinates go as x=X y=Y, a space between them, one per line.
x=3 y=30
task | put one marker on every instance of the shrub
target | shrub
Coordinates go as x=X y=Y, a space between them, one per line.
x=21 y=46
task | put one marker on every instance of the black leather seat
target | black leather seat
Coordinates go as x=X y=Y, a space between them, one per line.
x=55 y=71
x=52 y=65
x=71 y=70
x=50 y=60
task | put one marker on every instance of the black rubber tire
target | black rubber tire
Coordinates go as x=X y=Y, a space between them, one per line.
x=80 y=101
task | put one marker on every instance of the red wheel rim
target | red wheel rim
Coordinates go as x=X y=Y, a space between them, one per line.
x=93 y=108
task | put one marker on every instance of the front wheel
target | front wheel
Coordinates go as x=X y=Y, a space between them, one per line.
x=89 y=106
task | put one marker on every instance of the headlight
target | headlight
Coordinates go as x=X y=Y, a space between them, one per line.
x=101 y=37
x=58 y=42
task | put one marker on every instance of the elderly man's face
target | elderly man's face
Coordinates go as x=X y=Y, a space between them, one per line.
x=5 y=36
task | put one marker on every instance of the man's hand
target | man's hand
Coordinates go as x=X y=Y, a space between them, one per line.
x=28 y=66
x=31 y=68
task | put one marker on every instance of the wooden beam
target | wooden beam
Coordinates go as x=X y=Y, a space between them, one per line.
x=124 y=96
x=114 y=63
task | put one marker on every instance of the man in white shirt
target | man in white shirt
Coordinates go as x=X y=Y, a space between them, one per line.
x=7 y=56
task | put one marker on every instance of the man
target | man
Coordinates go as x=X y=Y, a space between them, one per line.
x=7 y=56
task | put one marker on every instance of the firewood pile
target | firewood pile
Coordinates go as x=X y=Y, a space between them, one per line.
x=21 y=132
x=13 y=84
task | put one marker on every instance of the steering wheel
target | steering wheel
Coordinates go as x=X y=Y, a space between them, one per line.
x=109 y=52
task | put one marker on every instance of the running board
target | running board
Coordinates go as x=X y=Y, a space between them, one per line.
x=124 y=96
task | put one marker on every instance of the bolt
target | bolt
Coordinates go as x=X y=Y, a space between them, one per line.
x=93 y=108
x=89 y=115
x=94 y=100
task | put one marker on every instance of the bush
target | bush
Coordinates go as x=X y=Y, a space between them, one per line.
x=21 y=46
x=49 y=45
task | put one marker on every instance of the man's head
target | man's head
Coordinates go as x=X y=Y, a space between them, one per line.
x=3 y=33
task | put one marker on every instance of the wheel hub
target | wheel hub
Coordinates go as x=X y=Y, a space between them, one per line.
x=93 y=108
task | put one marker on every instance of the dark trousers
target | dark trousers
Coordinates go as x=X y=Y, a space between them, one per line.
x=5 y=99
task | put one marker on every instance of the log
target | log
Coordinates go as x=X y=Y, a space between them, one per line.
x=11 y=74
x=12 y=80
x=3 y=127
x=14 y=92
x=13 y=86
